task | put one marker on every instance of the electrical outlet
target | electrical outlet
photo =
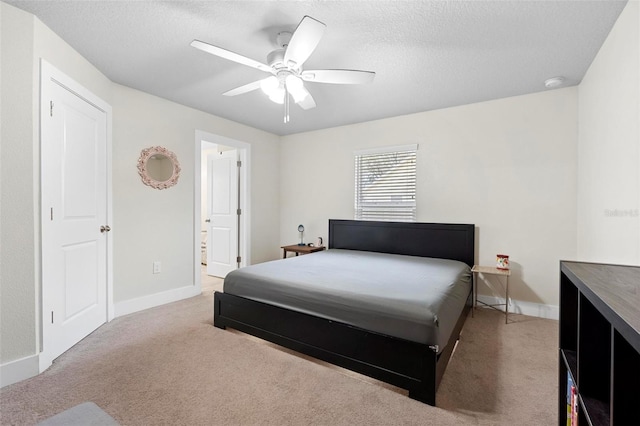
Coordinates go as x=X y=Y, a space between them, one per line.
x=157 y=267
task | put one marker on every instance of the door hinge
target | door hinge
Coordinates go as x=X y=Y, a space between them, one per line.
x=51 y=317
x=238 y=259
x=51 y=108
x=239 y=163
x=239 y=212
x=51 y=213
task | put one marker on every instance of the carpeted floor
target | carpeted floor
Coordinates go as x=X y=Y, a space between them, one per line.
x=170 y=366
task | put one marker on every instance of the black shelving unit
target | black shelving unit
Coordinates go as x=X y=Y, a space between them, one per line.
x=600 y=342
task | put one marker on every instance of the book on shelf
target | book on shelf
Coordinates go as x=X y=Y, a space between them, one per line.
x=572 y=402
x=569 y=398
x=574 y=406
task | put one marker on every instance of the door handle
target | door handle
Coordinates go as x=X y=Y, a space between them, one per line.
x=207 y=220
x=104 y=229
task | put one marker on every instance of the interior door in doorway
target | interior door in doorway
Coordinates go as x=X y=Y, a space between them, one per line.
x=74 y=215
x=222 y=213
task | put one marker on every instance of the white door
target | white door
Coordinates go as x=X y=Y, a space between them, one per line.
x=222 y=213
x=74 y=208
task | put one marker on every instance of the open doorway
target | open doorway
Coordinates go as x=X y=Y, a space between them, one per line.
x=221 y=205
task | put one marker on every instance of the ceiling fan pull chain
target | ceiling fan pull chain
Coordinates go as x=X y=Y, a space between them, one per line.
x=286 y=104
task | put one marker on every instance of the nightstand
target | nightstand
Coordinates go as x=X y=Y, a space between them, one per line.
x=491 y=270
x=298 y=249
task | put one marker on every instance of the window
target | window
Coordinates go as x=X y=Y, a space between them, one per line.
x=386 y=184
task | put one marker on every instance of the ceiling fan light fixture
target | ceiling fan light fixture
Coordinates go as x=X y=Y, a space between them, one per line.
x=296 y=88
x=269 y=85
x=273 y=88
x=285 y=64
x=277 y=95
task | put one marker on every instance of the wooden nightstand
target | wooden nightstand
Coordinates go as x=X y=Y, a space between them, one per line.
x=490 y=270
x=297 y=249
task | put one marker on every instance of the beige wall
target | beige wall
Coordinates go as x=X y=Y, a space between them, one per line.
x=148 y=224
x=24 y=41
x=508 y=166
x=609 y=147
x=17 y=193
x=154 y=225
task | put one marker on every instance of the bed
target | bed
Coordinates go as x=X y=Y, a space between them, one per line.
x=381 y=326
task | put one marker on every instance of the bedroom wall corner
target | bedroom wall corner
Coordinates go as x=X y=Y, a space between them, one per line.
x=18 y=273
x=158 y=225
x=509 y=166
x=25 y=41
x=608 y=218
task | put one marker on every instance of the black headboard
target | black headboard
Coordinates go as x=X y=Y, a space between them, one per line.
x=440 y=240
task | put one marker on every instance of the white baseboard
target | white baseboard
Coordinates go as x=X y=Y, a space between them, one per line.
x=24 y=368
x=524 y=308
x=151 y=301
x=18 y=370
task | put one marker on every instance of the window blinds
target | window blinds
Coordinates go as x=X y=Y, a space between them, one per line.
x=385 y=184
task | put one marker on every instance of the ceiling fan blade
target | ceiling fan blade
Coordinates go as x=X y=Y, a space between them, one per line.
x=338 y=76
x=244 y=89
x=307 y=102
x=227 y=54
x=303 y=41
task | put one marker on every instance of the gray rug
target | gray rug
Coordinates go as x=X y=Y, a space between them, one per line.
x=85 y=414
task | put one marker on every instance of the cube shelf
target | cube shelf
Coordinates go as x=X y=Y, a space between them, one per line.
x=600 y=343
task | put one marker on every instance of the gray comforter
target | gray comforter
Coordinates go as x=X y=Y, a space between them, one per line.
x=414 y=298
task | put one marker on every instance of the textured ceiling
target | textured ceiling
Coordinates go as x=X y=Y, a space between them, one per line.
x=426 y=54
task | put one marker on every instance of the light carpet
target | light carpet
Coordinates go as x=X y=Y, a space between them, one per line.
x=170 y=366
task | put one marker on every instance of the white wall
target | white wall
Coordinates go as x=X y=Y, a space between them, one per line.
x=148 y=224
x=17 y=233
x=25 y=40
x=152 y=224
x=508 y=166
x=609 y=147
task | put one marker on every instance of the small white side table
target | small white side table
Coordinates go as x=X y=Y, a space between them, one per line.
x=490 y=270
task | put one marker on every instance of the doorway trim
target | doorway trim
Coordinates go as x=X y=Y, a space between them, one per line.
x=244 y=151
x=50 y=75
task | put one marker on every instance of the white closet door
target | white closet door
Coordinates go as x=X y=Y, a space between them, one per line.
x=74 y=208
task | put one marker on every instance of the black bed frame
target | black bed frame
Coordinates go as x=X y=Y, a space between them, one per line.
x=403 y=363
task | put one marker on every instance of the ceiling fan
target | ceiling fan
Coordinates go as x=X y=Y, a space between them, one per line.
x=285 y=65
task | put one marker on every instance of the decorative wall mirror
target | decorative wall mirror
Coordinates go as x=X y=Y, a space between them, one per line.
x=158 y=167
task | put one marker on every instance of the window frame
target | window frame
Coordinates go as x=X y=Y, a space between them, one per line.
x=401 y=211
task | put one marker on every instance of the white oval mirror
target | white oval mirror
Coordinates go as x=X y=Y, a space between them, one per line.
x=158 y=167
